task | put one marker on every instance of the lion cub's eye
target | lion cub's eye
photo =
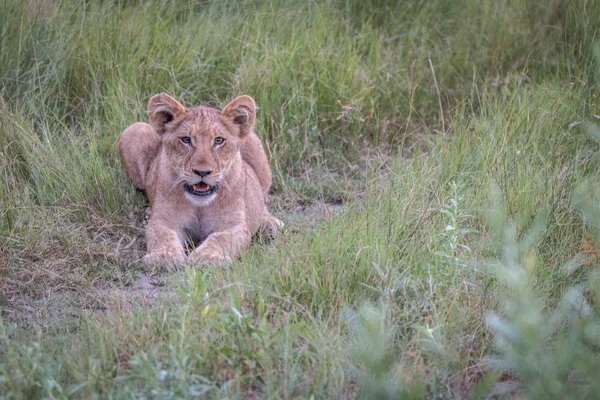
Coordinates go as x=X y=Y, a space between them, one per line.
x=186 y=140
x=218 y=141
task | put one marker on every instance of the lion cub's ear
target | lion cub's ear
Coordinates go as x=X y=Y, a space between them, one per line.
x=163 y=109
x=241 y=112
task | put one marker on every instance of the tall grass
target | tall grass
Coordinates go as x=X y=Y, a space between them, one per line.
x=454 y=134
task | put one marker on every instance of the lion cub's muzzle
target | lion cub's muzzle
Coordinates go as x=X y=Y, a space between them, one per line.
x=201 y=187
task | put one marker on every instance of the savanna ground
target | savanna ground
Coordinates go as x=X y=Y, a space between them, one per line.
x=436 y=164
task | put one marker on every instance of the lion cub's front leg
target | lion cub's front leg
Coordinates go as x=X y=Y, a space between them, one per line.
x=164 y=243
x=220 y=247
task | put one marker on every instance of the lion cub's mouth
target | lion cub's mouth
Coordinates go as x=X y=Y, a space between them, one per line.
x=200 y=189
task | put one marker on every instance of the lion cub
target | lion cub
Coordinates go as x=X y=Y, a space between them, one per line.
x=206 y=175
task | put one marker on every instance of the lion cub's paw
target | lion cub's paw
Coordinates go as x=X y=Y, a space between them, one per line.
x=271 y=228
x=164 y=259
x=208 y=256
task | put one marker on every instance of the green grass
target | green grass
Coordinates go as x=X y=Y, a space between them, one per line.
x=436 y=164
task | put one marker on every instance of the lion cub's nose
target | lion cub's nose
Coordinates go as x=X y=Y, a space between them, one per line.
x=202 y=173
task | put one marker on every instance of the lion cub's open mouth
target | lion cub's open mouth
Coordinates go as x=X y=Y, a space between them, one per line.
x=200 y=189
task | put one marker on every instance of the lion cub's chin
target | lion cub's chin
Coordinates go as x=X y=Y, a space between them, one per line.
x=200 y=201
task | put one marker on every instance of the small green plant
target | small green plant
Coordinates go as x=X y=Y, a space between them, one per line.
x=193 y=289
x=33 y=376
x=452 y=238
x=247 y=334
x=552 y=350
x=371 y=346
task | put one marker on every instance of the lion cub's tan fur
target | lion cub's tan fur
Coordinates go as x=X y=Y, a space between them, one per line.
x=159 y=159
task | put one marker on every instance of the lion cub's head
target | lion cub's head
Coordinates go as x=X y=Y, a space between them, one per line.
x=201 y=143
